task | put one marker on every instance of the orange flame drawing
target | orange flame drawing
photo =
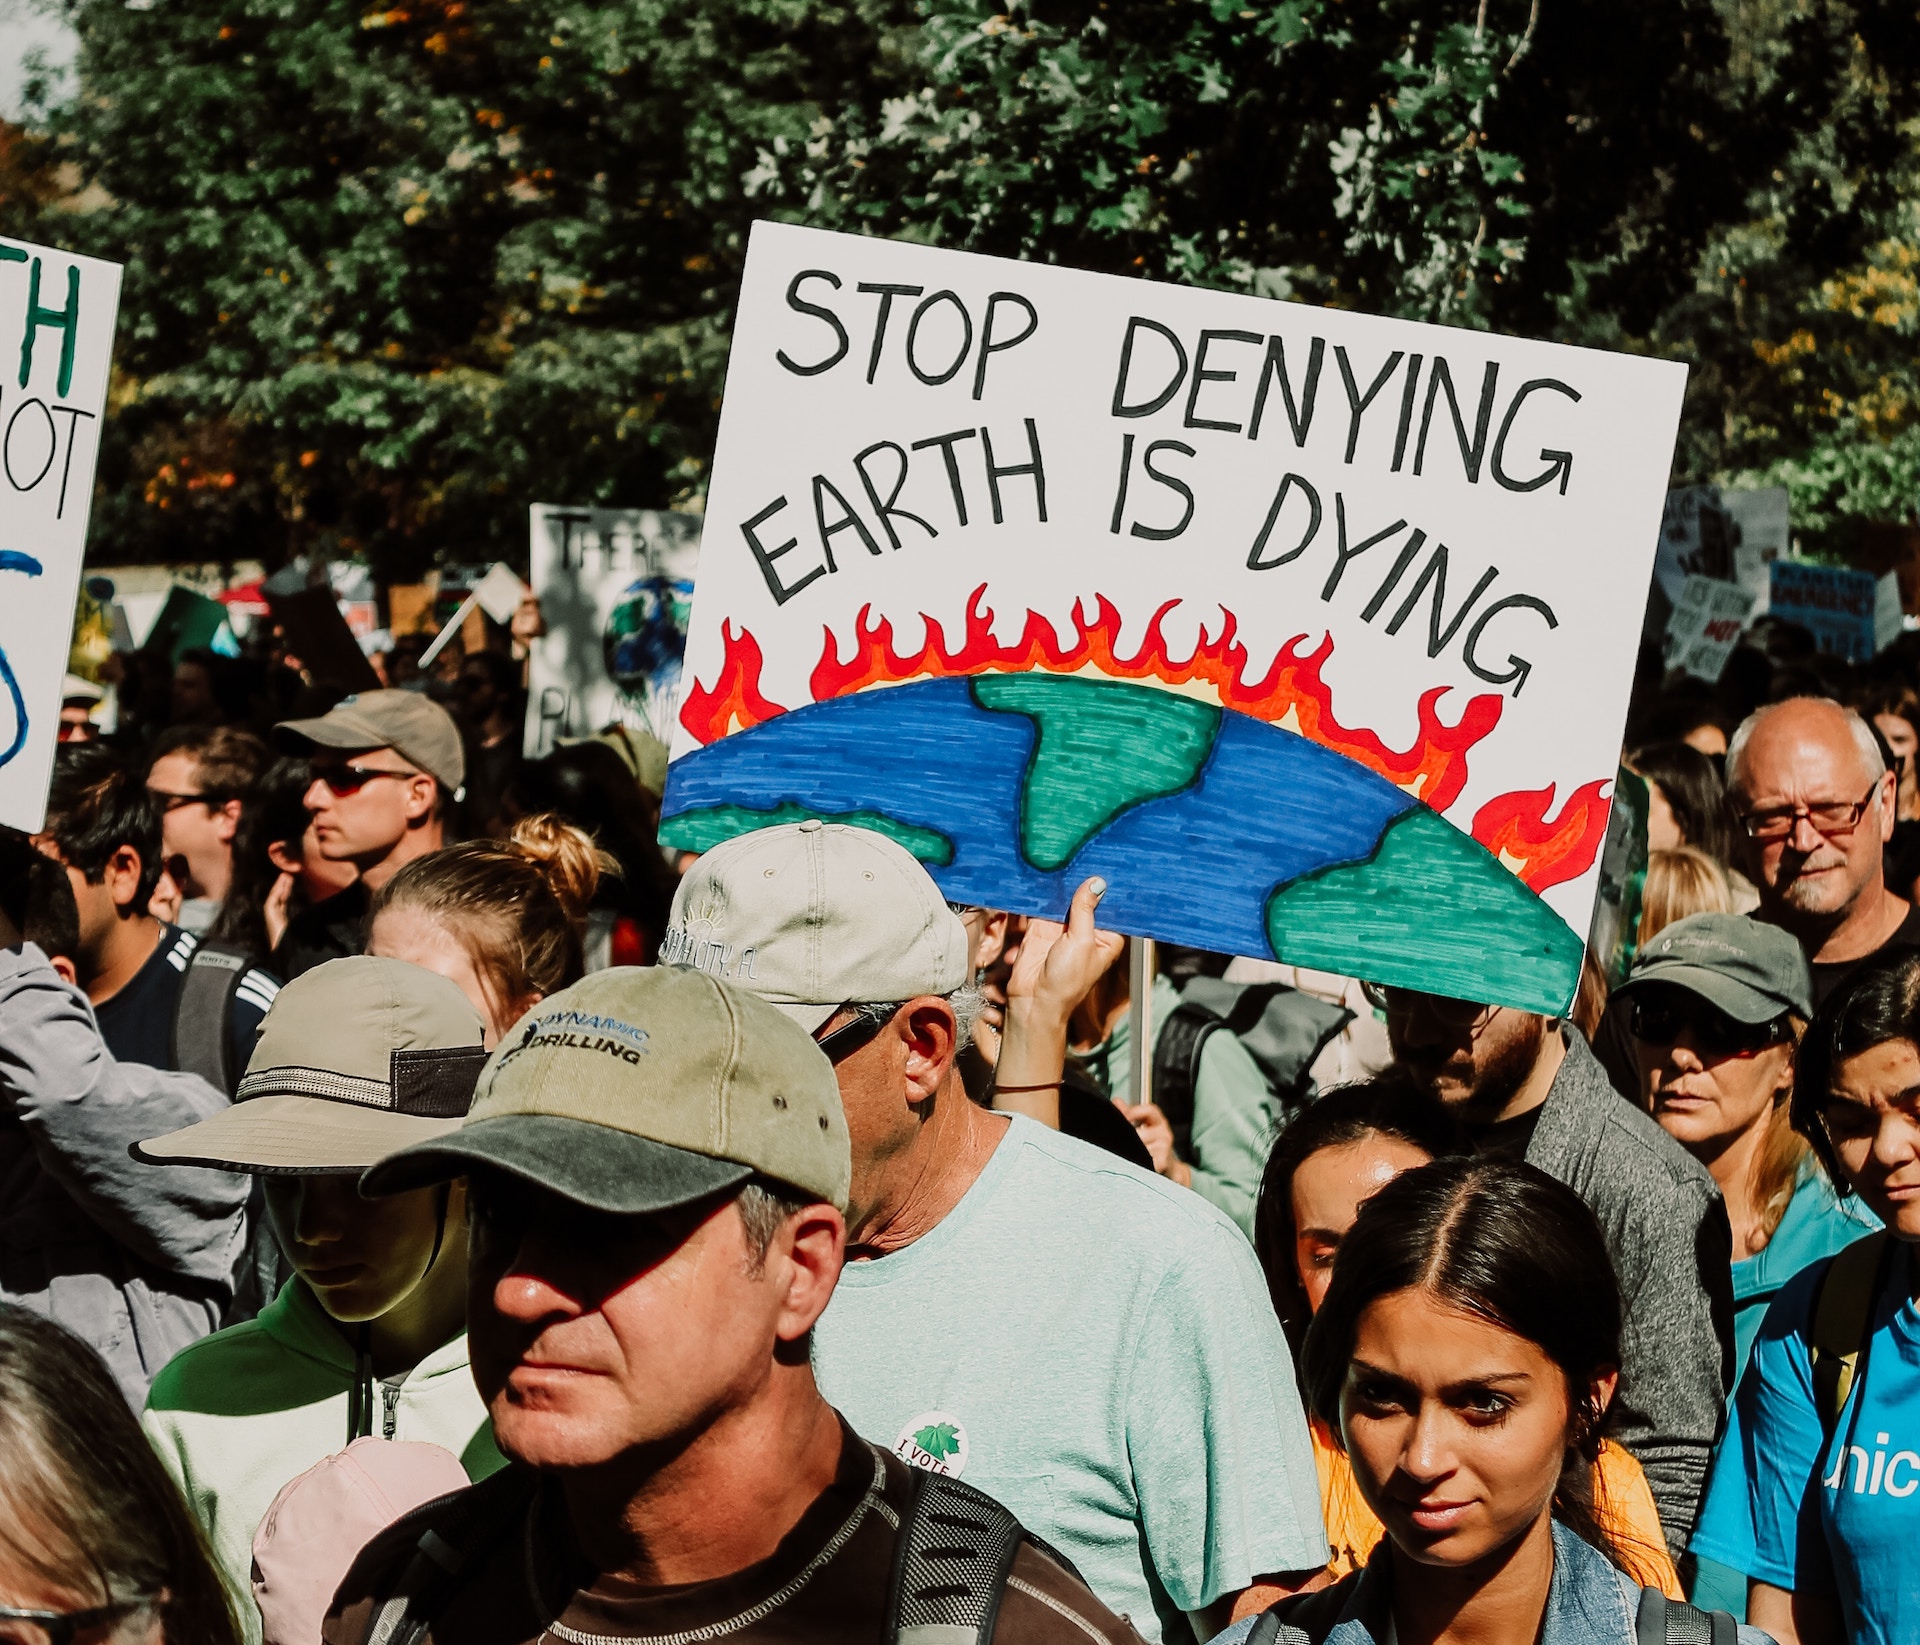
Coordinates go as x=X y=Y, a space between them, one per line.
x=734 y=701
x=1515 y=829
x=1292 y=694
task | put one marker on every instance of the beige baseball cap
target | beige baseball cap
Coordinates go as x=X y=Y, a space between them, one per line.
x=813 y=916
x=409 y=722
x=355 y=1058
x=641 y=1089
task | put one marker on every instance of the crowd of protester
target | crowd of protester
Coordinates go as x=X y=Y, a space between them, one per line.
x=433 y=1212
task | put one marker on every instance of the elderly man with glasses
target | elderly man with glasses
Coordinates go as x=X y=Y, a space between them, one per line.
x=1528 y=1087
x=1815 y=801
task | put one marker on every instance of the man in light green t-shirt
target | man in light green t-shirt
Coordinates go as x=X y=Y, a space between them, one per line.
x=1086 y=1341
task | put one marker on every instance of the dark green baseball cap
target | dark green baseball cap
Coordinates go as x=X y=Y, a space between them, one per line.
x=1750 y=970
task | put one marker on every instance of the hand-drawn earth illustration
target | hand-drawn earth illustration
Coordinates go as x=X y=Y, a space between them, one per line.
x=646 y=637
x=1244 y=820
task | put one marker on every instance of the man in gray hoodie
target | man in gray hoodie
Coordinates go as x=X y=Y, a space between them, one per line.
x=134 y=1261
x=1528 y=1087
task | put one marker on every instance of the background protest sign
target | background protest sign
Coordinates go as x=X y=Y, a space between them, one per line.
x=1763 y=532
x=56 y=345
x=1705 y=626
x=1844 y=610
x=1311 y=631
x=615 y=587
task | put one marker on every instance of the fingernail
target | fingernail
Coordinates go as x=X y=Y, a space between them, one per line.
x=1099 y=888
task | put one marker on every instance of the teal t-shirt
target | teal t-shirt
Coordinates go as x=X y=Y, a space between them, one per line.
x=1835 y=1514
x=1094 y=1346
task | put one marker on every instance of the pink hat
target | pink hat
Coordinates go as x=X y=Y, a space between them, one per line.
x=320 y=1521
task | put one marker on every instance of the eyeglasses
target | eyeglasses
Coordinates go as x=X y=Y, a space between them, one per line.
x=350 y=779
x=19 y=1627
x=1832 y=818
x=845 y=1040
x=172 y=802
x=1401 y=1001
x=1663 y=1016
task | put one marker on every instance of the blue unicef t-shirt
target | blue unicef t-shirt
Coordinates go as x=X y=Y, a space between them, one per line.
x=1095 y=1347
x=1806 y=1514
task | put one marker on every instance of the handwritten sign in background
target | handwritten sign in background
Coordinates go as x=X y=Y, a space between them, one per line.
x=56 y=347
x=1246 y=592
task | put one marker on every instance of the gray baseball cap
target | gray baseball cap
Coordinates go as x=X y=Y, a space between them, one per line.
x=355 y=1058
x=812 y=916
x=1750 y=970
x=412 y=724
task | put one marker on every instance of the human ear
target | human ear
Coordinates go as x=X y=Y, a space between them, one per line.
x=123 y=875
x=420 y=795
x=806 y=1258
x=63 y=967
x=227 y=821
x=932 y=1034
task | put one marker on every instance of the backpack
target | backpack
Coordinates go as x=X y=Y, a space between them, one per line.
x=1282 y=1028
x=1658 y=1621
x=1843 y=1321
x=952 y=1556
x=202 y=1041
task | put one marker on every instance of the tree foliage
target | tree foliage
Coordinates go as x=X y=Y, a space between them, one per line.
x=394 y=274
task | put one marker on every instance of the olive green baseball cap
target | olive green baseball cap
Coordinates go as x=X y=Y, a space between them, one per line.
x=1753 y=971
x=411 y=723
x=355 y=1058
x=641 y=1089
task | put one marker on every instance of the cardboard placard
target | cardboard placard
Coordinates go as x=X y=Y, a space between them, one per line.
x=1705 y=626
x=56 y=338
x=1835 y=604
x=1312 y=632
x=615 y=586
x=318 y=636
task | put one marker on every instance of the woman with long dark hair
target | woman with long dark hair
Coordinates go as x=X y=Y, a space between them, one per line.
x=96 y=1547
x=1815 y=1495
x=1467 y=1353
x=1328 y=1162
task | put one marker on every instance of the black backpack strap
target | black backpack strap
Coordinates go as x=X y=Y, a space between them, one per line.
x=1176 y=1068
x=441 y=1558
x=950 y=1565
x=203 y=1014
x=1664 y=1621
x=1842 y=1323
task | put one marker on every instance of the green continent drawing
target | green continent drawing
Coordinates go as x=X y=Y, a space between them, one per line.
x=1103 y=748
x=704 y=829
x=1428 y=897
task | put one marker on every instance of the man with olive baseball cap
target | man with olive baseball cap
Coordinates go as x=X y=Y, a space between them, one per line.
x=385 y=765
x=1085 y=1341
x=657 y=1165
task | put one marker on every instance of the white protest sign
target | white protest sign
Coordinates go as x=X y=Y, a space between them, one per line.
x=56 y=348
x=1705 y=626
x=1311 y=631
x=615 y=585
x=1763 y=525
x=1694 y=540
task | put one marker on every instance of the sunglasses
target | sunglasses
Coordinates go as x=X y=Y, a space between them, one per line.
x=844 y=1041
x=350 y=779
x=165 y=803
x=1662 y=1018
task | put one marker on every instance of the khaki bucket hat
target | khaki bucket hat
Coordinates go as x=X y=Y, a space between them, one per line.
x=355 y=1058
x=642 y=1089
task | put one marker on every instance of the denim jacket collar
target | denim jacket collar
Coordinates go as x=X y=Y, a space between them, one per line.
x=1588 y=1603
